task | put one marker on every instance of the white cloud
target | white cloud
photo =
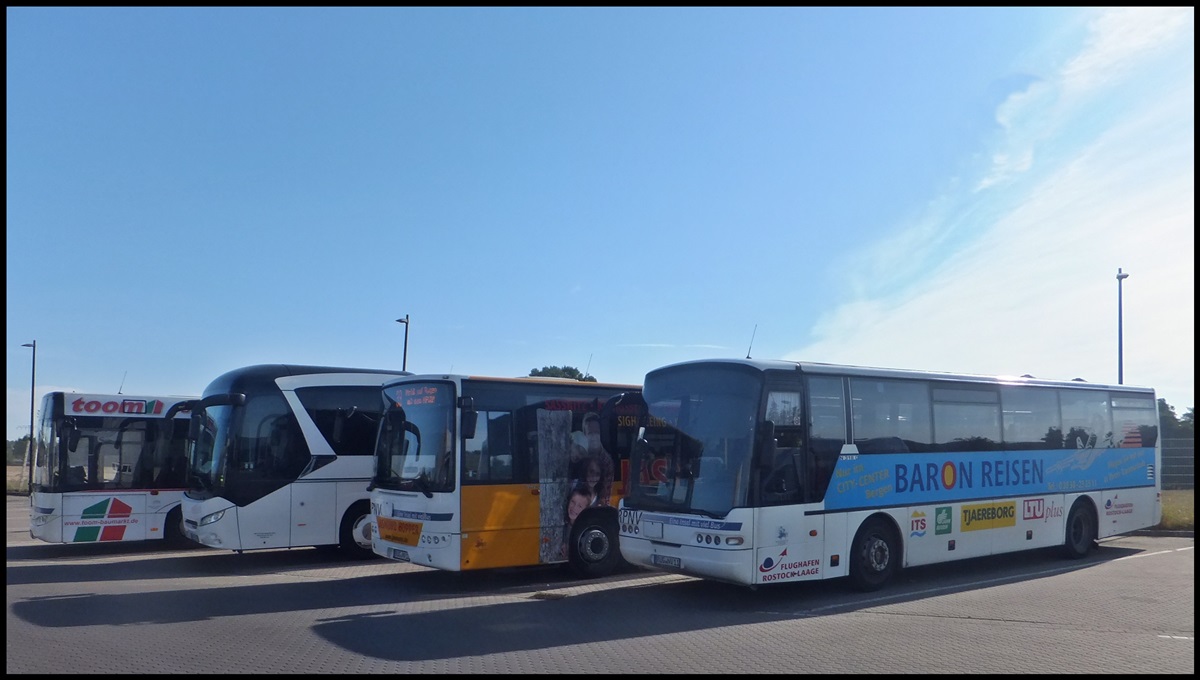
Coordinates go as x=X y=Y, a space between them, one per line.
x=1036 y=292
x=1118 y=41
x=1120 y=37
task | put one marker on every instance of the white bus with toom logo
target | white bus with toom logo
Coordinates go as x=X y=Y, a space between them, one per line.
x=755 y=472
x=108 y=468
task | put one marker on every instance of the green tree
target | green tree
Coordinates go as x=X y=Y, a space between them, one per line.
x=1173 y=427
x=561 y=372
x=1187 y=423
x=16 y=451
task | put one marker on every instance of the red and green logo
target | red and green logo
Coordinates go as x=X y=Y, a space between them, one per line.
x=108 y=509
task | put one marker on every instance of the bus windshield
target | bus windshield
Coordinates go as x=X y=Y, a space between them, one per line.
x=415 y=449
x=210 y=450
x=694 y=453
x=112 y=453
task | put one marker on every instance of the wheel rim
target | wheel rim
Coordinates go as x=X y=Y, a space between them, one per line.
x=879 y=554
x=362 y=532
x=593 y=544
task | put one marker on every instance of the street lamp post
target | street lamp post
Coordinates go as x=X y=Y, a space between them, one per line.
x=32 y=388
x=1121 y=276
x=404 y=364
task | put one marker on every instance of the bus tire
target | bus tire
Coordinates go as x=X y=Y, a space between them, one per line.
x=593 y=548
x=173 y=535
x=874 y=556
x=354 y=541
x=1080 y=534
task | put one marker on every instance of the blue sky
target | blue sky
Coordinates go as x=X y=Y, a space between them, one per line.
x=191 y=190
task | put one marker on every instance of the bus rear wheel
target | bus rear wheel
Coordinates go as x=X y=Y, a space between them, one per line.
x=1081 y=530
x=354 y=539
x=593 y=550
x=874 y=556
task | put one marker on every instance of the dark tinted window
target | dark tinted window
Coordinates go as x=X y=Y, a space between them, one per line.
x=1030 y=418
x=1135 y=421
x=347 y=416
x=966 y=419
x=890 y=416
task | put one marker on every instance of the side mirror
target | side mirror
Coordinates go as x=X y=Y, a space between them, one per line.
x=470 y=417
x=627 y=409
x=180 y=407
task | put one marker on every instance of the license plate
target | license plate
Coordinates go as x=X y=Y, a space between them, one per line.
x=399 y=555
x=666 y=561
x=398 y=531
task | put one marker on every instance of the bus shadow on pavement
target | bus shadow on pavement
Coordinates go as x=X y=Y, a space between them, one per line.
x=519 y=609
x=217 y=598
x=139 y=562
x=601 y=615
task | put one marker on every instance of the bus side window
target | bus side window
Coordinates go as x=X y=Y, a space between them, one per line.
x=488 y=456
x=827 y=430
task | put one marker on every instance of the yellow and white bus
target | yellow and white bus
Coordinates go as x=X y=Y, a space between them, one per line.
x=774 y=471
x=109 y=468
x=479 y=472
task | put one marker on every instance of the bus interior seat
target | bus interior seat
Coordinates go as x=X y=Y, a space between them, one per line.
x=75 y=476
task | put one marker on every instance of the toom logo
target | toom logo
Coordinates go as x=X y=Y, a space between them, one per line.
x=104 y=521
x=124 y=406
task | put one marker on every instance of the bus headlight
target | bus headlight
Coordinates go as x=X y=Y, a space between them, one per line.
x=214 y=517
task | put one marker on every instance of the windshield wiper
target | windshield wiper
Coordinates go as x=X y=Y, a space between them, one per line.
x=422 y=481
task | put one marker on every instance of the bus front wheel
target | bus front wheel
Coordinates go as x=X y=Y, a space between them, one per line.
x=1081 y=530
x=354 y=539
x=593 y=548
x=875 y=555
x=173 y=535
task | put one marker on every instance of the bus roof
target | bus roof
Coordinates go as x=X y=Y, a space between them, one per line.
x=818 y=368
x=260 y=374
x=515 y=379
x=118 y=396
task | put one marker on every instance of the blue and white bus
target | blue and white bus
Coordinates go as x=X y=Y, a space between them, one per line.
x=755 y=472
x=280 y=456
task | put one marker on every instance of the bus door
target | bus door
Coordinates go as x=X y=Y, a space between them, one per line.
x=791 y=543
x=101 y=512
x=501 y=508
x=263 y=467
